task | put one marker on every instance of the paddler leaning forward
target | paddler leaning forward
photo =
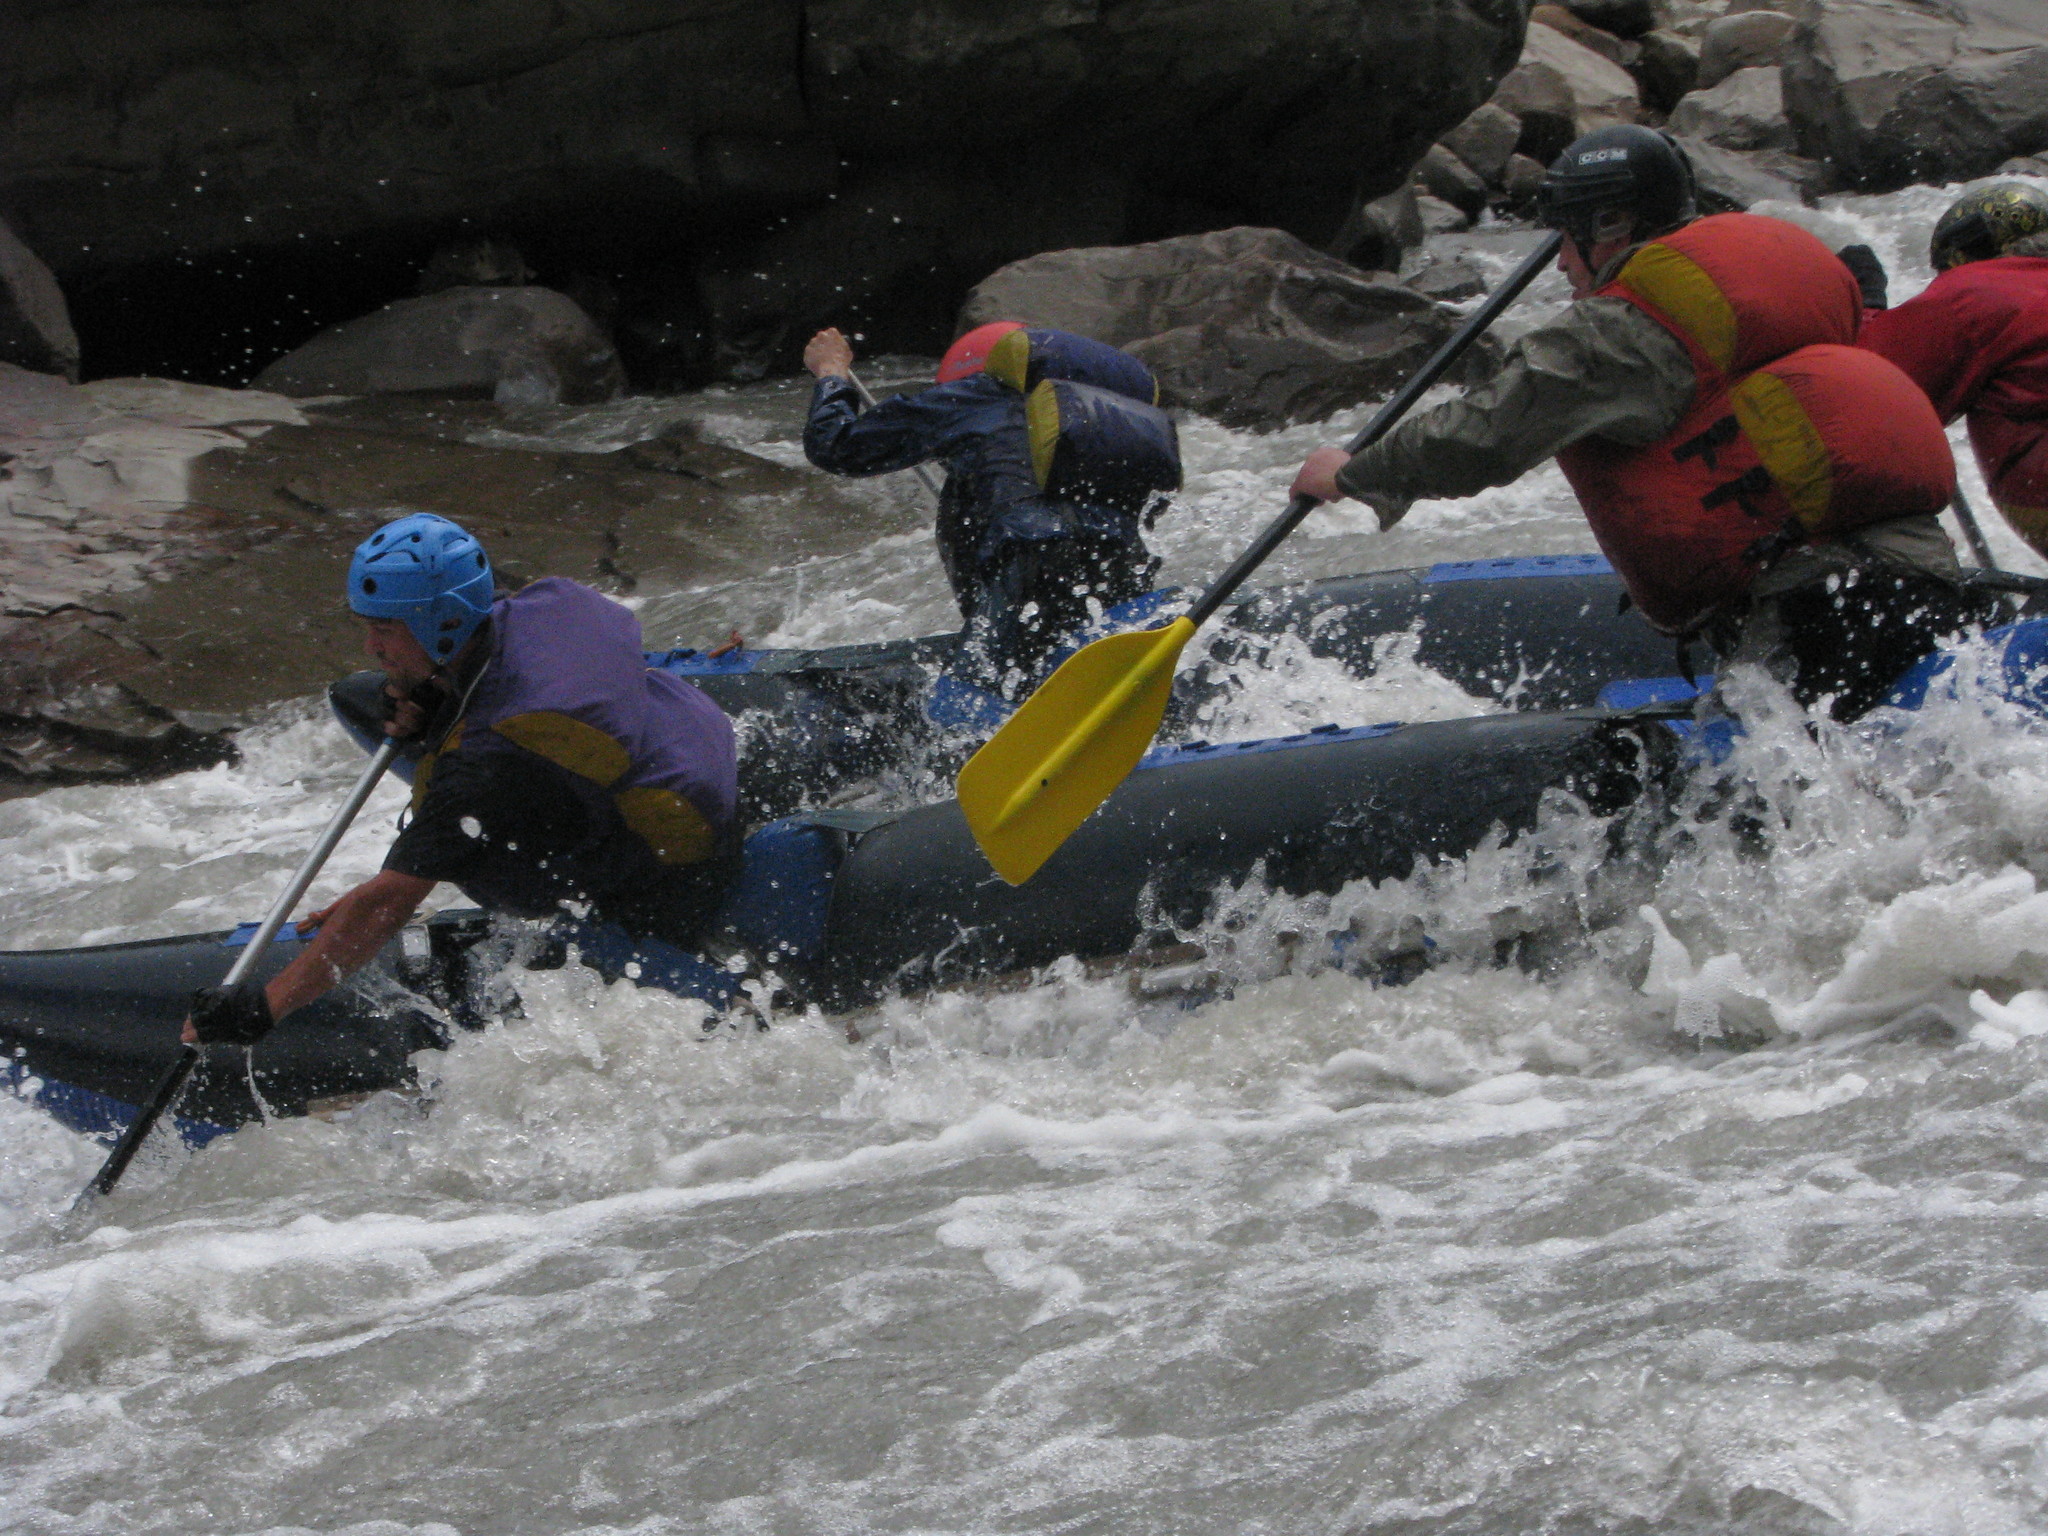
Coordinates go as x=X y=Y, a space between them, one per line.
x=558 y=767
x=1756 y=479
x=1977 y=341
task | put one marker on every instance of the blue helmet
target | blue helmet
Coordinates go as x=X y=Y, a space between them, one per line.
x=427 y=571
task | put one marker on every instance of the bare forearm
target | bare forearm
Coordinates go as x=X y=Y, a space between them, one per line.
x=358 y=925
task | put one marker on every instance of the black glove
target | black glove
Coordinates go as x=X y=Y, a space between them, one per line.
x=237 y=1015
x=434 y=702
x=1868 y=271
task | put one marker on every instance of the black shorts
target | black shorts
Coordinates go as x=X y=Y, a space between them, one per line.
x=1847 y=636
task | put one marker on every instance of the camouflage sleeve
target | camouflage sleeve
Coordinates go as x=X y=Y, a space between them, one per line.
x=1603 y=369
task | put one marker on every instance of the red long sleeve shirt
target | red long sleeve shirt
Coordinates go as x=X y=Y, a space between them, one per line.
x=1977 y=342
x=1977 y=339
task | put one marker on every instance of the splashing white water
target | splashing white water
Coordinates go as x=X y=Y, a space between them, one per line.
x=1264 y=1246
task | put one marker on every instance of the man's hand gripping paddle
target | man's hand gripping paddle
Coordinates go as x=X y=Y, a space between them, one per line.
x=1079 y=736
x=173 y=1081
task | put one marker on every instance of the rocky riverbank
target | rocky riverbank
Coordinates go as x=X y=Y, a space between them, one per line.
x=1782 y=101
x=171 y=554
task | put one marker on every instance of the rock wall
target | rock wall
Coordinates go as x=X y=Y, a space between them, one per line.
x=1887 y=92
x=1773 y=99
x=748 y=168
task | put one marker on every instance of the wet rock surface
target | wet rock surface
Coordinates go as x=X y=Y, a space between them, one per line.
x=517 y=345
x=94 y=507
x=1249 y=326
x=171 y=555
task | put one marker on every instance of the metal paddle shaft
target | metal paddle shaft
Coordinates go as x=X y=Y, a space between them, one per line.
x=868 y=400
x=1382 y=422
x=1973 y=534
x=167 y=1088
x=1086 y=727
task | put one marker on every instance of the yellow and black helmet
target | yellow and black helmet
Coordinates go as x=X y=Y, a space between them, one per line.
x=1988 y=222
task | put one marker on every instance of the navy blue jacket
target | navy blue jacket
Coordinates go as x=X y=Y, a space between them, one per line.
x=975 y=428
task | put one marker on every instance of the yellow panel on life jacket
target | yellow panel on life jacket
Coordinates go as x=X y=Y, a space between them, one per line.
x=1792 y=434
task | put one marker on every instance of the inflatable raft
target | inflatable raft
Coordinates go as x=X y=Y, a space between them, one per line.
x=841 y=908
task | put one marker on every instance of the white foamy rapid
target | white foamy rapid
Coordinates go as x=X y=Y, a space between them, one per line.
x=1510 y=1248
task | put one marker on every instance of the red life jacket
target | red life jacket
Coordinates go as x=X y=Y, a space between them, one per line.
x=1977 y=340
x=1793 y=435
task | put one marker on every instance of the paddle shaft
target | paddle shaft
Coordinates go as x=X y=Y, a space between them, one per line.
x=167 y=1088
x=868 y=400
x=1973 y=534
x=1382 y=421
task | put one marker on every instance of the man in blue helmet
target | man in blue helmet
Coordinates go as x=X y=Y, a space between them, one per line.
x=557 y=766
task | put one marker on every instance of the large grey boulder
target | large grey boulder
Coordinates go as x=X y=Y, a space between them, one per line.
x=1614 y=49
x=1624 y=18
x=1561 y=89
x=480 y=263
x=1381 y=231
x=1745 y=111
x=1440 y=217
x=1667 y=66
x=1520 y=181
x=1450 y=180
x=707 y=141
x=1731 y=180
x=1887 y=92
x=1743 y=40
x=1449 y=282
x=35 y=323
x=1485 y=140
x=1249 y=326
x=520 y=346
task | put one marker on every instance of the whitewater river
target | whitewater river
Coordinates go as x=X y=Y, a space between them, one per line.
x=1499 y=1251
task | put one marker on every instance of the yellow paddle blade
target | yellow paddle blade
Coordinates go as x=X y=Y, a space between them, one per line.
x=1067 y=746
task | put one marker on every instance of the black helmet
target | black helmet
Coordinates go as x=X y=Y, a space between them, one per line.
x=1624 y=169
x=1988 y=222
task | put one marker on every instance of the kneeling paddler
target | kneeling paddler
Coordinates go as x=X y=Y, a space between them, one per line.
x=1755 y=478
x=1976 y=340
x=1056 y=456
x=557 y=767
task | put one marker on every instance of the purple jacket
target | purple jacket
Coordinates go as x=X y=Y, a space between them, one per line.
x=567 y=681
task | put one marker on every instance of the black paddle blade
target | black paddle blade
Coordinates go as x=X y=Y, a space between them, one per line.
x=165 y=1094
